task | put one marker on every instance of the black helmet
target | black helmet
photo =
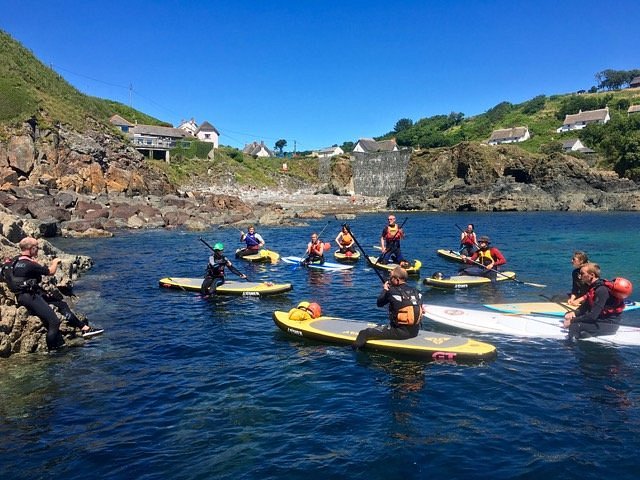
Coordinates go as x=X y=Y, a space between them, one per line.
x=438 y=275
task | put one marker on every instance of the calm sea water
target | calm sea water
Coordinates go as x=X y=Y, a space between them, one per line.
x=181 y=387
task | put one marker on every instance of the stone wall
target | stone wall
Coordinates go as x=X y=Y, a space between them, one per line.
x=379 y=174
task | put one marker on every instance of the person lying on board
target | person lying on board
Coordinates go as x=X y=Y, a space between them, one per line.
x=468 y=241
x=600 y=313
x=253 y=240
x=214 y=275
x=345 y=240
x=486 y=260
x=390 y=243
x=405 y=311
x=315 y=251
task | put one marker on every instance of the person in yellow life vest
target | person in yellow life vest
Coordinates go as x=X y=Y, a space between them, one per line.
x=405 y=311
x=390 y=242
x=345 y=240
x=315 y=251
x=486 y=260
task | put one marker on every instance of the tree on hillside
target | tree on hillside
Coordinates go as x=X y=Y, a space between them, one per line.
x=615 y=79
x=280 y=144
x=403 y=124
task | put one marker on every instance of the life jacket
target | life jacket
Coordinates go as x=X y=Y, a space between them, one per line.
x=317 y=248
x=614 y=305
x=469 y=239
x=394 y=233
x=17 y=284
x=485 y=257
x=216 y=269
x=346 y=239
x=251 y=240
x=409 y=312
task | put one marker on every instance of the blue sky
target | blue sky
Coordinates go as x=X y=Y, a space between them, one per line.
x=321 y=73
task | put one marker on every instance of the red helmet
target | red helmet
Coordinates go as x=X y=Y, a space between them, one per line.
x=622 y=288
x=315 y=310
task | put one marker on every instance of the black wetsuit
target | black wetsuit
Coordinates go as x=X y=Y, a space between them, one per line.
x=590 y=319
x=396 y=297
x=214 y=276
x=27 y=275
x=578 y=287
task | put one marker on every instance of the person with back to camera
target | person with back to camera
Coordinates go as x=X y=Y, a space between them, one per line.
x=468 y=241
x=405 y=311
x=26 y=276
x=599 y=313
x=489 y=258
x=214 y=276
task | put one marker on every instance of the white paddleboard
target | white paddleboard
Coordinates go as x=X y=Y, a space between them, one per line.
x=325 y=266
x=537 y=326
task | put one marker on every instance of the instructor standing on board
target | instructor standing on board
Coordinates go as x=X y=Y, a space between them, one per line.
x=405 y=311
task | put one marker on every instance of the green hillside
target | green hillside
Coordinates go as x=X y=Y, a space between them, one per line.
x=30 y=89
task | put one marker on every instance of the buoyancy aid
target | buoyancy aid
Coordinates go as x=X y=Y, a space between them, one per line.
x=251 y=240
x=469 y=239
x=215 y=267
x=21 y=284
x=485 y=257
x=409 y=310
x=346 y=239
x=614 y=306
x=393 y=232
x=317 y=248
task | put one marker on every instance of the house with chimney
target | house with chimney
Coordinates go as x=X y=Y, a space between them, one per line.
x=256 y=149
x=189 y=126
x=581 y=119
x=369 y=145
x=509 y=135
x=328 y=152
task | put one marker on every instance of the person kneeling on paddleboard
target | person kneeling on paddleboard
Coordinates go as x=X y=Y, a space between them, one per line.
x=487 y=258
x=345 y=240
x=214 y=276
x=253 y=240
x=600 y=313
x=315 y=251
x=405 y=311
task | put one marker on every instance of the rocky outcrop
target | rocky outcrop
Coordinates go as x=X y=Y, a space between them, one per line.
x=21 y=332
x=96 y=161
x=474 y=177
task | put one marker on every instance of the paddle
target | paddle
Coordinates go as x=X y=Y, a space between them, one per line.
x=273 y=256
x=295 y=267
x=364 y=253
x=531 y=284
x=392 y=239
x=230 y=268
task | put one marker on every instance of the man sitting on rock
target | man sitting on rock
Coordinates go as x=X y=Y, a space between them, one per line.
x=26 y=275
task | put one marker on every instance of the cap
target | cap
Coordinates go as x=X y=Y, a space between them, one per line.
x=484 y=239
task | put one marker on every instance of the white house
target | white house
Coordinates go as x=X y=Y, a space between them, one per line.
x=328 y=152
x=208 y=133
x=581 y=119
x=575 y=145
x=189 y=126
x=257 y=150
x=369 y=145
x=509 y=135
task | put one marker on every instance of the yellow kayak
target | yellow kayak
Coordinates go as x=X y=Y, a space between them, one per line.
x=413 y=269
x=263 y=255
